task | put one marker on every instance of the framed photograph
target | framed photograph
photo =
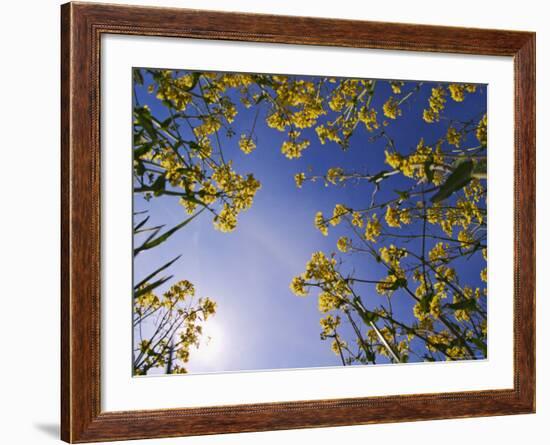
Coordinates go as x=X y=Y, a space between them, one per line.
x=274 y=222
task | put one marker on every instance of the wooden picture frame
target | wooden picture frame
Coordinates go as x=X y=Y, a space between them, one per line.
x=82 y=26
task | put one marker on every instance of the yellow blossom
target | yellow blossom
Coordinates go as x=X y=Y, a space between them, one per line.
x=226 y=221
x=339 y=211
x=396 y=86
x=343 y=244
x=334 y=174
x=328 y=302
x=368 y=117
x=438 y=252
x=481 y=131
x=297 y=286
x=391 y=108
x=373 y=229
x=246 y=144
x=357 y=219
x=329 y=324
x=457 y=90
x=293 y=148
x=436 y=105
x=208 y=193
x=320 y=223
x=299 y=178
x=453 y=137
x=395 y=217
x=466 y=239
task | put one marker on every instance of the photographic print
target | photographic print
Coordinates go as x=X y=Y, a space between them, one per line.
x=287 y=221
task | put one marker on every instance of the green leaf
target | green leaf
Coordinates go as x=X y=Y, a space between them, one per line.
x=368 y=317
x=151 y=286
x=159 y=240
x=154 y=232
x=259 y=99
x=428 y=170
x=460 y=176
x=196 y=77
x=468 y=305
x=140 y=224
x=138 y=77
x=156 y=272
x=425 y=301
x=400 y=282
x=142 y=149
x=149 y=229
x=403 y=195
x=480 y=344
x=480 y=169
x=139 y=168
x=144 y=119
x=159 y=185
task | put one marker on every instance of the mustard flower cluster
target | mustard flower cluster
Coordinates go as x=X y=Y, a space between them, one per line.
x=321 y=272
x=415 y=165
x=391 y=108
x=481 y=132
x=436 y=105
x=180 y=327
x=458 y=90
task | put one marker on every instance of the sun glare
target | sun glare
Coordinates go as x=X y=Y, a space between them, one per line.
x=211 y=346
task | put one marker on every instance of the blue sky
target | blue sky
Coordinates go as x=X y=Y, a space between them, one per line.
x=259 y=323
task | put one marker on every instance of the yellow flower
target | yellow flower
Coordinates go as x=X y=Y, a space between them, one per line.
x=481 y=132
x=394 y=159
x=453 y=137
x=438 y=252
x=208 y=307
x=210 y=124
x=299 y=178
x=246 y=144
x=437 y=103
x=329 y=324
x=293 y=149
x=373 y=229
x=395 y=217
x=343 y=244
x=337 y=102
x=357 y=219
x=334 y=174
x=298 y=286
x=391 y=108
x=466 y=239
x=208 y=193
x=328 y=302
x=396 y=86
x=435 y=306
x=330 y=133
x=457 y=92
x=368 y=117
x=320 y=223
x=189 y=206
x=338 y=345
x=458 y=89
x=392 y=255
x=226 y=221
x=339 y=211
x=277 y=121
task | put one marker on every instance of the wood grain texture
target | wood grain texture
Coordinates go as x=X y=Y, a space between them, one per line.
x=82 y=27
